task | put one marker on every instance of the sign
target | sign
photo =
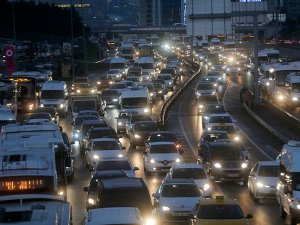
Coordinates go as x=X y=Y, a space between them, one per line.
x=22 y=185
x=9 y=54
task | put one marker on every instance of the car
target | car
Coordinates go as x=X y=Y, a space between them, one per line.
x=115 y=164
x=168 y=80
x=135 y=118
x=119 y=86
x=159 y=157
x=145 y=77
x=193 y=171
x=123 y=118
x=263 y=179
x=39 y=117
x=111 y=98
x=204 y=100
x=88 y=113
x=120 y=192
x=204 y=89
x=51 y=110
x=212 y=136
x=232 y=70
x=216 y=75
x=77 y=125
x=217 y=119
x=99 y=132
x=104 y=81
x=140 y=132
x=160 y=91
x=114 y=215
x=164 y=136
x=225 y=161
x=231 y=129
x=102 y=148
x=116 y=74
x=175 y=200
x=86 y=126
x=213 y=108
x=85 y=89
x=219 y=211
x=150 y=88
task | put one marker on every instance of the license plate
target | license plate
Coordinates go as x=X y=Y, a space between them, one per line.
x=164 y=170
x=232 y=175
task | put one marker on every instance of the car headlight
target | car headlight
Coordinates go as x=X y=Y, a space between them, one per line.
x=212 y=67
x=120 y=123
x=198 y=93
x=218 y=165
x=201 y=106
x=110 y=82
x=165 y=208
x=244 y=165
x=151 y=94
x=115 y=100
x=30 y=107
x=98 y=82
x=170 y=83
x=236 y=138
x=61 y=193
x=239 y=69
x=120 y=155
x=78 y=91
x=178 y=160
x=267 y=83
x=228 y=69
x=259 y=185
x=61 y=106
x=150 y=221
x=146 y=110
x=137 y=136
x=219 y=78
x=42 y=105
x=295 y=99
x=280 y=97
x=93 y=91
x=206 y=187
x=91 y=201
x=96 y=157
x=76 y=135
x=152 y=161
x=160 y=92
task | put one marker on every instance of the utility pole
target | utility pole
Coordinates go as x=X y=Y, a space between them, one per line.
x=14 y=31
x=84 y=47
x=72 y=41
x=277 y=21
x=255 y=49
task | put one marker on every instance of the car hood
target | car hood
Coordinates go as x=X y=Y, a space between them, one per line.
x=105 y=154
x=221 y=222
x=164 y=156
x=271 y=181
x=180 y=203
x=52 y=101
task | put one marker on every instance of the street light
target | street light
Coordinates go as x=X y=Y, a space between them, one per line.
x=84 y=47
x=72 y=41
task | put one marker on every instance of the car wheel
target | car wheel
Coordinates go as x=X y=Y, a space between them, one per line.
x=254 y=199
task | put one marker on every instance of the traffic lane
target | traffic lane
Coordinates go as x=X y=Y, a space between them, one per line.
x=246 y=79
x=191 y=128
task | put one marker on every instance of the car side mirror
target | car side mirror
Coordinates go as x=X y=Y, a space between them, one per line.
x=123 y=148
x=248 y=216
x=86 y=189
x=155 y=195
x=135 y=168
x=72 y=142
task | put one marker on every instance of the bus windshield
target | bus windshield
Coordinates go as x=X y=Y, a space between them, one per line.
x=52 y=94
x=134 y=102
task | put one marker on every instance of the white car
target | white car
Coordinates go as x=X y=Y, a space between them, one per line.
x=232 y=70
x=102 y=148
x=217 y=119
x=116 y=164
x=168 y=79
x=175 y=200
x=217 y=75
x=161 y=156
x=205 y=89
x=116 y=74
x=192 y=171
x=263 y=179
x=115 y=215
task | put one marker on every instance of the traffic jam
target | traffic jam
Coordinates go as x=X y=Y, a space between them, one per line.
x=94 y=150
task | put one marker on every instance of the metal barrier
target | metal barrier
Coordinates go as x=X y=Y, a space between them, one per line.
x=170 y=101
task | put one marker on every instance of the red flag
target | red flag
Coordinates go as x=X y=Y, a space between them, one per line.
x=9 y=53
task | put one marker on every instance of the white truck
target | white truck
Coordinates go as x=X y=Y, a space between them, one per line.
x=118 y=63
x=55 y=93
x=288 y=188
x=29 y=189
x=126 y=50
x=136 y=98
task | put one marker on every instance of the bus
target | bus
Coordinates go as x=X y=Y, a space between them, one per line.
x=27 y=93
x=8 y=94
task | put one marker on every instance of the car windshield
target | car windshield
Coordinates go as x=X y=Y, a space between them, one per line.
x=215 y=109
x=117 y=65
x=220 y=119
x=90 y=113
x=52 y=112
x=80 y=80
x=79 y=120
x=189 y=173
x=104 y=77
x=118 y=86
x=208 y=86
x=136 y=118
x=83 y=105
x=113 y=165
x=215 y=136
x=228 y=129
x=180 y=190
x=220 y=211
x=165 y=77
x=113 y=72
x=146 y=65
x=102 y=133
x=162 y=137
x=158 y=149
x=40 y=116
x=212 y=74
x=52 y=94
x=296 y=87
x=106 y=145
x=224 y=153
x=145 y=127
x=86 y=127
x=85 y=85
x=268 y=171
x=110 y=93
x=138 y=102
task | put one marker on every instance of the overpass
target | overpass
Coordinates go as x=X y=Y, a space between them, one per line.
x=145 y=30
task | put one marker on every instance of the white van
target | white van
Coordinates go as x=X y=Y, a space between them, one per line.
x=136 y=98
x=118 y=63
x=6 y=116
x=54 y=93
x=288 y=188
x=147 y=64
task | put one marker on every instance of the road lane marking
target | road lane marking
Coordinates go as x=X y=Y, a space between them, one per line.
x=243 y=133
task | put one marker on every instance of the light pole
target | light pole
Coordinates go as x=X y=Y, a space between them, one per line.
x=84 y=47
x=14 y=31
x=72 y=41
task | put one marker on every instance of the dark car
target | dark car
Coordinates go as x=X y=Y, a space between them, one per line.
x=212 y=136
x=104 y=81
x=111 y=97
x=39 y=116
x=225 y=161
x=160 y=90
x=99 y=132
x=140 y=131
x=77 y=124
x=51 y=110
x=119 y=192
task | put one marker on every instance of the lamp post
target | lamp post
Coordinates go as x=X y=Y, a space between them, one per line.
x=72 y=41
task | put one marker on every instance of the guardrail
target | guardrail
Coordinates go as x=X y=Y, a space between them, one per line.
x=170 y=101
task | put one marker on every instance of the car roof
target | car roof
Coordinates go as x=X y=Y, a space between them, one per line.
x=114 y=159
x=103 y=139
x=115 y=215
x=110 y=173
x=162 y=132
x=123 y=182
x=179 y=181
x=268 y=163
x=162 y=143
x=213 y=201
x=187 y=166
x=206 y=132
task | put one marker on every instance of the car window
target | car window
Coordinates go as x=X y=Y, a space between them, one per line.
x=220 y=211
x=268 y=171
x=189 y=173
x=106 y=145
x=180 y=190
x=159 y=149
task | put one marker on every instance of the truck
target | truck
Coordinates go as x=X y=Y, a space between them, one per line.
x=120 y=64
x=147 y=64
x=126 y=50
x=288 y=188
x=30 y=192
